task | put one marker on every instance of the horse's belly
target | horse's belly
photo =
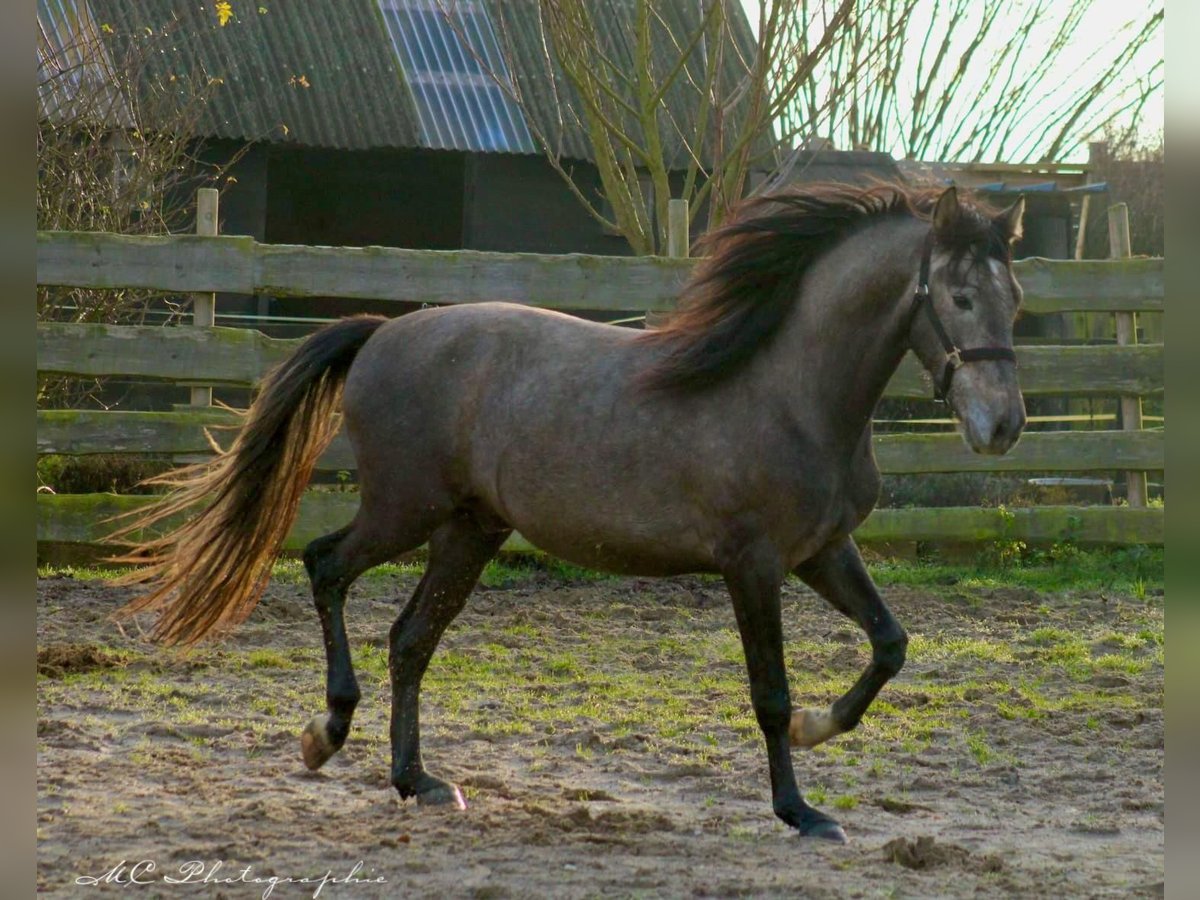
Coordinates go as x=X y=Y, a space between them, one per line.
x=647 y=554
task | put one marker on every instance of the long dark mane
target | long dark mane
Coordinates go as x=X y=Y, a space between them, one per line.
x=740 y=294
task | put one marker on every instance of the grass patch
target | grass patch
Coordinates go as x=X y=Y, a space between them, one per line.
x=267 y=659
x=1130 y=570
x=1136 y=571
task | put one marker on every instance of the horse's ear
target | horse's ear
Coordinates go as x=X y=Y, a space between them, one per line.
x=945 y=212
x=1009 y=221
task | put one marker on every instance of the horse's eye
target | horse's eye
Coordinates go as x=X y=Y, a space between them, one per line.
x=962 y=301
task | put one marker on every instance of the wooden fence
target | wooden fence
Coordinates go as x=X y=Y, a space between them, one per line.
x=240 y=357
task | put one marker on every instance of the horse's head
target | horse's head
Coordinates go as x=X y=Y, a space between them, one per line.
x=962 y=320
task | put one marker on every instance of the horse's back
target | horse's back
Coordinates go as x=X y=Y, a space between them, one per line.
x=444 y=390
x=533 y=417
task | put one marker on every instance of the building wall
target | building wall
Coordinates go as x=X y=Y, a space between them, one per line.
x=520 y=204
x=395 y=198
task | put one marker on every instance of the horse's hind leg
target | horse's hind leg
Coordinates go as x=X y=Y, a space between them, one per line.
x=838 y=574
x=458 y=551
x=333 y=562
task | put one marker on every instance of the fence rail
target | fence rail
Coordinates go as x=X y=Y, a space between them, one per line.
x=240 y=265
x=84 y=432
x=240 y=357
x=81 y=519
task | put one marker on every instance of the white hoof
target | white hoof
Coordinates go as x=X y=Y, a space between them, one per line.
x=810 y=727
x=315 y=746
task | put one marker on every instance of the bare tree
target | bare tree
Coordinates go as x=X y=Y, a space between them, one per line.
x=657 y=87
x=115 y=152
x=984 y=81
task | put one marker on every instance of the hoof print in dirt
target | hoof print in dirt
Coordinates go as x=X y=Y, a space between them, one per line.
x=926 y=853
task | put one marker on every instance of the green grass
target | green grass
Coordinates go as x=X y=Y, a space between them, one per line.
x=1129 y=570
x=1135 y=571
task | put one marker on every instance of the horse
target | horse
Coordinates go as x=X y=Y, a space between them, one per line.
x=735 y=438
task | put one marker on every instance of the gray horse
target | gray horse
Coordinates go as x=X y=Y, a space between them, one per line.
x=735 y=439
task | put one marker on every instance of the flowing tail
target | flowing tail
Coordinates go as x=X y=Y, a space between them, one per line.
x=208 y=574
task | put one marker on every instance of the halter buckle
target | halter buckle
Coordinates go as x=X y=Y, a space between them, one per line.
x=954 y=358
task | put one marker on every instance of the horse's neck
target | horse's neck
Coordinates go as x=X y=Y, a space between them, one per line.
x=848 y=332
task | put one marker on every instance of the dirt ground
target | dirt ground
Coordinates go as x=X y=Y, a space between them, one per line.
x=603 y=734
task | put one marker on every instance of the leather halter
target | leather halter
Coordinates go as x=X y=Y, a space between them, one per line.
x=955 y=358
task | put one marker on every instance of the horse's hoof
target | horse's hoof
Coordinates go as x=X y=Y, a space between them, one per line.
x=444 y=794
x=810 y=727
x=826 y=830
x=315 y=745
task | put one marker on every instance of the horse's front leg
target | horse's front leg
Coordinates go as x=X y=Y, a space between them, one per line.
x=838 y=574
x=754 y=575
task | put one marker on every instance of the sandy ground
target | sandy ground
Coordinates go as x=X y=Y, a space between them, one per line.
x=603 y=735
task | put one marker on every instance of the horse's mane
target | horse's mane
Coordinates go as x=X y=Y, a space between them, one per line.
x=741 y=292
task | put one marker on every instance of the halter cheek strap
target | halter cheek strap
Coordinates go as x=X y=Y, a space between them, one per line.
x=955 y=358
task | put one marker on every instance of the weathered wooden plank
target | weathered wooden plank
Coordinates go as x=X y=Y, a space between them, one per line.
x=1093 y=285
x=77 y=519
x=570 y=281
x=1040 y=524
x=84 y=432
x=238 y=264
x=1037 y=451
x=186 y=263
x=74 y=432
x=180 y=263
x=238 y=356
x=86 y=518
x=1103 y=369
x=231 y=356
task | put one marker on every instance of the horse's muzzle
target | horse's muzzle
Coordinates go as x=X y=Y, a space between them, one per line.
x=991 y=415
x=994 y=435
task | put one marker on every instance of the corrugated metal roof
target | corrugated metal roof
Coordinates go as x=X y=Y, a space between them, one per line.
x=320 y=74
x=75 y=73
x=359 y=74
x=519 y=22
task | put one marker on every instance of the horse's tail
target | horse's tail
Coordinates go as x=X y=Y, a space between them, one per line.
x=209 y=573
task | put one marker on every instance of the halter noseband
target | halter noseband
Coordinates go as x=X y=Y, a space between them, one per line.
x=955 y=358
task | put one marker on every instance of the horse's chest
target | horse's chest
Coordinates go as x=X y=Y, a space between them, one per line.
x=824 y=508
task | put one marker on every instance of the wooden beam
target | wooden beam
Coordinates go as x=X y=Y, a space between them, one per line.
x=185 y=263
x=1035 y=524
x=77 y=433
x=1047 y=369
x=72 y=432
x=77 y=519
x=679 y=240
x=1131 y=404
x=229 y=356
x=1039 y=451
x=204 y=305
x=238 y=356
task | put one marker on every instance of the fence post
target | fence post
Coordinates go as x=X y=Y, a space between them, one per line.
x=678 y=242
x=1131 y=407
x=204 y=306
x=678 y=237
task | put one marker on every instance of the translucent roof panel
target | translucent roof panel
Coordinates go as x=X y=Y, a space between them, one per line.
x=449 y=64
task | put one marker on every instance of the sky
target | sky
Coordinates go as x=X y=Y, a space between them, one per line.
x=1077 y=66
